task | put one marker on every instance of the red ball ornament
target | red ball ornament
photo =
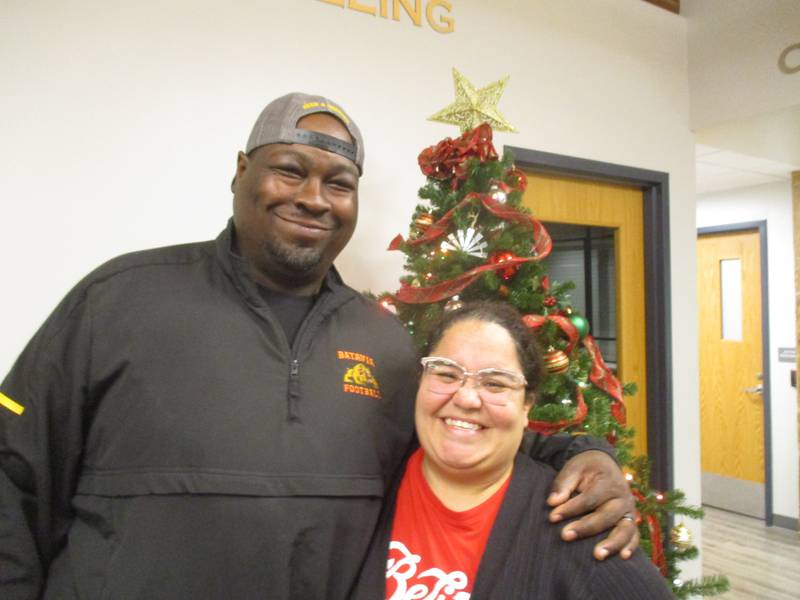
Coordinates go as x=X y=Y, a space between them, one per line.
x=556 y=361
x=517 y=179
x=501 y=256
x=550 y=301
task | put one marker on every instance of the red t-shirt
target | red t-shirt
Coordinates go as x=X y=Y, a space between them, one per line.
x=434 y=551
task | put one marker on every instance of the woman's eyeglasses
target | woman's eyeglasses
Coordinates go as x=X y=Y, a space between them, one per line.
x=445 y=376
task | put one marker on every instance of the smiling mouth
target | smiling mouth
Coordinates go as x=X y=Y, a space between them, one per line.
x=463 y=425
x=313 y=225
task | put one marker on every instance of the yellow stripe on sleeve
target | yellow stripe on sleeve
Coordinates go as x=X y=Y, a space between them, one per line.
x=8 y=403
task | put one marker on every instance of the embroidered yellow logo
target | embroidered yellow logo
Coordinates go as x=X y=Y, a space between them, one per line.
x=358 y=379
x=329 y=106
x=8 y=403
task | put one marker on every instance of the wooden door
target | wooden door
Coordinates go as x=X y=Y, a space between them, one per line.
x=584 y=202
x=731 y=405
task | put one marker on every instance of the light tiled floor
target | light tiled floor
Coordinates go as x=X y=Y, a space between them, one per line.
x=761 y=562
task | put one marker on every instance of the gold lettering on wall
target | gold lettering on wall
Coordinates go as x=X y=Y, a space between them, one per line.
x=413 y=13
x=438 y=13
x=446 y=23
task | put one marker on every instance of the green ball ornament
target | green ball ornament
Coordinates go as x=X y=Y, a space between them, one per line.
x=581 y=324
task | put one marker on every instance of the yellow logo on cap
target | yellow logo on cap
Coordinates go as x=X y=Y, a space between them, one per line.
x=330 y=107
x=8 y=403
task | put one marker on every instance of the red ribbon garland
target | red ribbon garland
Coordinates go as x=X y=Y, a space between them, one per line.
x=656 y=538
x=603 y=378
x=536 y=321
x=600 y=375
x=551 y=427
x=543 y=244
x=451 y=287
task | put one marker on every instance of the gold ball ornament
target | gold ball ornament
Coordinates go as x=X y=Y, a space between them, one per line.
x=423 y=221
x=556 y=361
x=681 y=537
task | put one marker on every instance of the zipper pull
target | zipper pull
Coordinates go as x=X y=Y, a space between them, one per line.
x=295 y=369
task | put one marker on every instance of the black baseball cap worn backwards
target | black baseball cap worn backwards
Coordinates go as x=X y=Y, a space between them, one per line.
x=277 y=124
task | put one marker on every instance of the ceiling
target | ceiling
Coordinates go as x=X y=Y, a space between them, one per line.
x=719 y=170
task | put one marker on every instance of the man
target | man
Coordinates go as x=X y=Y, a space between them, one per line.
x=221 y=419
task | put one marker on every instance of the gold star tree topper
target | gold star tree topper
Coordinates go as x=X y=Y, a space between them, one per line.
x=473 y=107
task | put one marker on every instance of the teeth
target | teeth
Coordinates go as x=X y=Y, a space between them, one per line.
x=462 y=424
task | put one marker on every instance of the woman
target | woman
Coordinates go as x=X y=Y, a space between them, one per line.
x=468 y=519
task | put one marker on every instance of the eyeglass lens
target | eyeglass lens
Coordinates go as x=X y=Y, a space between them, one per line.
x=494 y=385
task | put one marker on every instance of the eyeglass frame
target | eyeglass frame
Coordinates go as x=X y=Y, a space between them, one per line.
x=519 y=378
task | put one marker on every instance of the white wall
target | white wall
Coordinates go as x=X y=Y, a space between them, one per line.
x=772 y=135
x=773 y=203
x=122 y=121
x=734 y=47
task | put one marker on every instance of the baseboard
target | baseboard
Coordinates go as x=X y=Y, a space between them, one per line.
x=735 y=495
x=785 y=522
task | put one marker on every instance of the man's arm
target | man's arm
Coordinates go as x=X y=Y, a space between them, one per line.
x=40 y=447
x=601 y=493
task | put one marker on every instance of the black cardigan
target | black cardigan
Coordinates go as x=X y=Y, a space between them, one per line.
x=526 y=559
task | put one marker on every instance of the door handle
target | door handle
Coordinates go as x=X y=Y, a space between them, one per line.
x=756 y=389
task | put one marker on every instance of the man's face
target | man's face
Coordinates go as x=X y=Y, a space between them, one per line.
x=294 y=208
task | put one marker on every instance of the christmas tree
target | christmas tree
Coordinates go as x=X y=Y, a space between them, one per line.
x=471 y=238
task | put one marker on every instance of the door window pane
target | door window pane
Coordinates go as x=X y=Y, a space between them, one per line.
x=730 y=276
x=585 y=256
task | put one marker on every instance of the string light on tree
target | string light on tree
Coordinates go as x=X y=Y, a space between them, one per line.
x=498 y=194
x=453 y=304
x=388 y=304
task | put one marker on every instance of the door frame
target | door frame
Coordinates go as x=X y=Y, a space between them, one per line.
x=761 y=227
x=658 y=299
